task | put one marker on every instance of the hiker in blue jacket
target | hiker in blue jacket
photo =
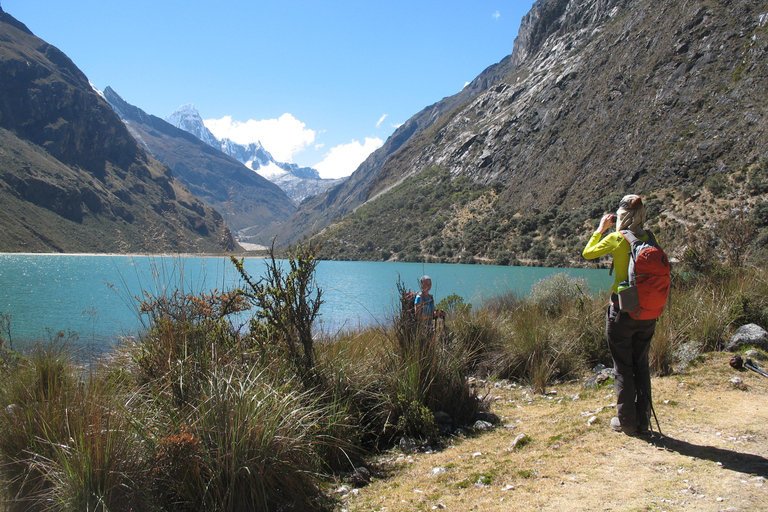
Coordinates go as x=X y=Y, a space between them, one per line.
x=629 y=339
x=425 y=303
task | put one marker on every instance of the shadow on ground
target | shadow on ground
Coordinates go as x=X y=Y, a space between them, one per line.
x=746 y=463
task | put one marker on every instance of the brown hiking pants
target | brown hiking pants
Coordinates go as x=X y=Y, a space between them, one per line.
x=629 y=341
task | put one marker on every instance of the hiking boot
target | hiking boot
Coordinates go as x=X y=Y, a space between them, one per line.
x=617 y=427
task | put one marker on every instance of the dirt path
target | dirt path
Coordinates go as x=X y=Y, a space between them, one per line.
x=714 y=456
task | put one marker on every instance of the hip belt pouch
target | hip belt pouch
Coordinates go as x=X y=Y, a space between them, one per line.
x=629 y=300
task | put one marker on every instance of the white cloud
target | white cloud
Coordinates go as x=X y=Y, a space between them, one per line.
x=381 y=120
x=496 y=15
x=342 y=160
x=282 y=137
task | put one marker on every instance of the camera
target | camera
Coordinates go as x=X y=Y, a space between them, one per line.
x=613 y=218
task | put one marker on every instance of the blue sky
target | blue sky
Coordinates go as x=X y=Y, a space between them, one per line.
x=320 y=83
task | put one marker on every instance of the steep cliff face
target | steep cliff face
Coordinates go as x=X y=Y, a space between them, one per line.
x=71 y=176
x=605 y=97
x=616 y=94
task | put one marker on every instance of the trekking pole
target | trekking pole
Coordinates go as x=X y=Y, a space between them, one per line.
x=653 y=410
x=753 y=366
x=738 y=363
x=645 y=393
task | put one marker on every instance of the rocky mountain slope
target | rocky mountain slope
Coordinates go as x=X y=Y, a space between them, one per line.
x=72 y=179
x=250 y=203
x=600 y=98
x=297 y=182
x=319 y=211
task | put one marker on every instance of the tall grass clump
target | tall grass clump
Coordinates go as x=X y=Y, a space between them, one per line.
x=64 y=442
x=397 y=377
x=428 y=377
x=583 y=322
x=545 y=336
x=351 y=368
x=479 y=334
x=250 y=444
x=533 y=352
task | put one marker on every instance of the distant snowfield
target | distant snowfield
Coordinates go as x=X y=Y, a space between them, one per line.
x=270 y=171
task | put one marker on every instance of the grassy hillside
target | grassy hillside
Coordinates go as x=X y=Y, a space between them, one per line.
x=436 y=218
x=48 y=206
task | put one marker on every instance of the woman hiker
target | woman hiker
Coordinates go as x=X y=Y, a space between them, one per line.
x=629 y=340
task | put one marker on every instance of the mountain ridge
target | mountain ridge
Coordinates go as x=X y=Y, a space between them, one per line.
x=318 y=212
x=608 y=97
x=72 y=179
x=250 y=202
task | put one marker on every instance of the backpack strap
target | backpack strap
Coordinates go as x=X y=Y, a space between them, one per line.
x=632 y=238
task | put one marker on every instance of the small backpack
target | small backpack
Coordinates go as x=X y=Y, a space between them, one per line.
x=646 y=291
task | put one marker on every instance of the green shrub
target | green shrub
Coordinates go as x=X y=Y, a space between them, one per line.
x=454 y=304
x=287 y=304
x=188 y=336
x=717 y=185
x=555 y=292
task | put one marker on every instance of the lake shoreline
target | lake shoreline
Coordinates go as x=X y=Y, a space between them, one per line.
x=95 y=295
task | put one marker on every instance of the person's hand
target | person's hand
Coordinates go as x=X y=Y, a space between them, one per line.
x=606 y=222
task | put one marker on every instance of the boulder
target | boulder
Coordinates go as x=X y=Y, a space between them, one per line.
x=360 y=477
x=601 y=375
x=754 y=354
x=750 y=335
x=488 y=417
x=482 y=426
x=443 y=422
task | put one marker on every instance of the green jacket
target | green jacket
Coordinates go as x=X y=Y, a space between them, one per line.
x=615 y=245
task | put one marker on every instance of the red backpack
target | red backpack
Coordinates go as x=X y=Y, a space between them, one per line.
x=646 y=291
x=408 y=304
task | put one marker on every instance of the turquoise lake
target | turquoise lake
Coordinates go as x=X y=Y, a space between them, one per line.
x=92 y=297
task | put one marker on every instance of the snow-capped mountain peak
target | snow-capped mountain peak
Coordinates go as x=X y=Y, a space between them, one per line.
x=253 y=155
x=297 y=182
x=187 y=118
